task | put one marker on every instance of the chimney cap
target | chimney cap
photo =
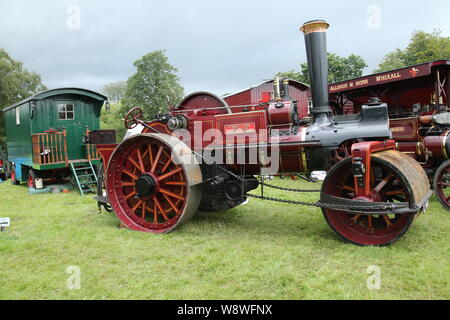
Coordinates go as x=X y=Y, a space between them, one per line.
x=314 y=26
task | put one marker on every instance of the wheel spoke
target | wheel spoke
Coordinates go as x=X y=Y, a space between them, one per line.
x=133 y=176
x=387 y=220
x=170 y=173
x=128 y=184
x=372 y=177
x=173 y=195
x=169 y=161
x=370 y=222
x=137 y=205
x=141 y=163
x=383 y=183
x=160 y=208
x=130 y=195
x=155 y=212
x=444 y=184
x=143 y=210
x=150 y=154
x=144 y=154
x=156 y=160
x=175 y=183
x=171 y=204
x=395 y=192
x=135 y=164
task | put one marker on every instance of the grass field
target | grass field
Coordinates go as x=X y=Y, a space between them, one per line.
x=261 y=250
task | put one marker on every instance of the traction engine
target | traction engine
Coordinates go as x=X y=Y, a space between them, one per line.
x=419 y=112
x=201 y=156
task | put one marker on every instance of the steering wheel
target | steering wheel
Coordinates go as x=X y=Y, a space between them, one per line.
x=132 y=118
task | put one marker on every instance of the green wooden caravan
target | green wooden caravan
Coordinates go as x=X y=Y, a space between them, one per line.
x=49 y=136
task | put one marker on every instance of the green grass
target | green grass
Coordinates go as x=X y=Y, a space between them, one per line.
x=262 y=250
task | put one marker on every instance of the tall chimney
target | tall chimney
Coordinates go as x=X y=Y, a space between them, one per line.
x=316 y=53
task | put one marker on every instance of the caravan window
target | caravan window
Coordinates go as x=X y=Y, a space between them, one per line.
x=65 y=111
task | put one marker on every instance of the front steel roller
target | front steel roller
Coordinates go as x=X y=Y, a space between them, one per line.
x=395 y=178
x=153 y=182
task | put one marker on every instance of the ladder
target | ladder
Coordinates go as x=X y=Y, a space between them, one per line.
x=84 y=174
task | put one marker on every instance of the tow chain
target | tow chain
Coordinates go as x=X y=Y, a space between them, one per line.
x=314 y=204
x=287 y=189
x=301 y=203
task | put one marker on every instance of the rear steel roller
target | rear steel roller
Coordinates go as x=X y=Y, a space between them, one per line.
x=394 y=177
x=153 y=182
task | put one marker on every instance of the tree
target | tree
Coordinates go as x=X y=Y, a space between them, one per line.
x=391 y=61
x=294 y=75
x=154 y=86
x=339 y=69
x=16 y=83
x=115 y=91
x=112 y=119
x=423 y=47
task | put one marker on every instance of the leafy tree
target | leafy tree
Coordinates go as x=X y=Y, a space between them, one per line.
x=115 y=91
x=154 y=86
x=294 y=75
x=391 y=61
x=423 y=47
x=343 y=68
x=339 y=69
x=112 y=119
x=16 y=83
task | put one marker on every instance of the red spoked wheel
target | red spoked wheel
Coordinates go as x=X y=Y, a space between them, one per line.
x=441 y=184
x=344 y=151
x=391 y=180
x=153 y=183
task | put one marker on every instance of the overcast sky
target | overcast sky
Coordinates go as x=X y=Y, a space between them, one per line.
x=218 y=46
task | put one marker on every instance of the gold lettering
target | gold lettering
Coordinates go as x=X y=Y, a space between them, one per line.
x=362 y=82
x=339 y=87
x=389 y=76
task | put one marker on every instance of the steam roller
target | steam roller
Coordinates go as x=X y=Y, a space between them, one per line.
x=203 y=156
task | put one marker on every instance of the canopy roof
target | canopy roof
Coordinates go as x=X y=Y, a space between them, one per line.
x=59 y=91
